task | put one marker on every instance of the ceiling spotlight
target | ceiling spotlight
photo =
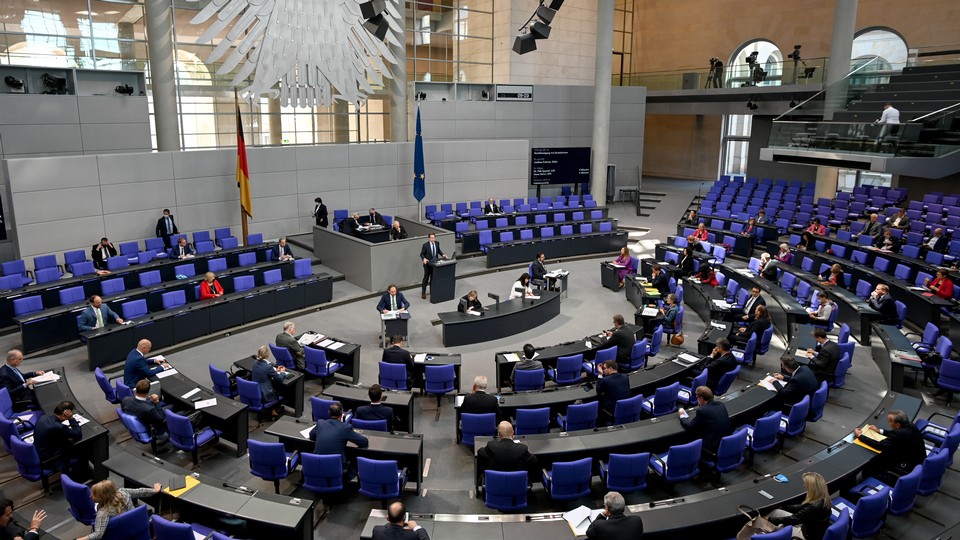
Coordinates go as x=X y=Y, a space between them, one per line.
x=524 y=43
x=546 y=14
x=540 y=30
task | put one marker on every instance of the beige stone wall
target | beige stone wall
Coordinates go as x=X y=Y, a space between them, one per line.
x=682 y=146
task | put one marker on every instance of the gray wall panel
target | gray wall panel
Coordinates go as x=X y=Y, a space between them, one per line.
x=206 y=163
x=361 y=200
x=135 y=226
x=321 y=157
x=475 y=110
x=371 y=177
x=497 y=150
x=36 y=139
x=211 y=189
x=270 y=160
x=128 y=168
x=35 y=109
x=323 y=180
x=273 y=208
x=271 y=184
x=68 y=203
x=114 y=110
x=155 y=195
x=464 y=151
x=209 y=216
x=372 y=154
x=58 y=236
x=481 y=129
x=553 y=94
x=110 y=137
x=52 y=173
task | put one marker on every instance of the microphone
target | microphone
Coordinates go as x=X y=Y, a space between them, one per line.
x=879 y=413
x=152 y=457
x=239 y=488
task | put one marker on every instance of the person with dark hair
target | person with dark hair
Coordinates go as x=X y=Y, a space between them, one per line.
x=901 y=450
x=621 y=338
x=613 y=524
x=375 y=410
x=392 y=300
x=281 y=251
x=799 y=382
x=706 y=275
x=887 y=242
x=659 y=280
x=761 y=322
x=397 y=527
x=528 y=362
x=320 y=213
x=691 y=219
x=506 y=454
x=719 y=363
x=806 y=241
x=611 y=388
x=833 y=277
x=9 y=530
x=101 y=252
x=97 y=315
x=396 y=354
x=376 y=218
x=331 y=436
x=900 y=221
x=521 y=287
x=148 y=410
x=816 y=227
x=166 y=228
x=18 y=384
x=686 y=262
x=763 y=218
x=824 y=359
x=821 y=315
x=53 y=439
x=750 y=230
x=881 y=301
x=748 y=312
x=941 y=285
x=711 y=423
x=429 y=252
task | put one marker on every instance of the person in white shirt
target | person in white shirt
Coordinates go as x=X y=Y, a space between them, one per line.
x=889 y=116
x=521 y=287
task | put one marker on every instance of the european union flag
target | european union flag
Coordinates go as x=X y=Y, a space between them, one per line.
x=419 y=188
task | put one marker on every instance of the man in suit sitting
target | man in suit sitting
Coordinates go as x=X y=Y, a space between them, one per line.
x=137 y=365
x=392 y=300
x=491 y=208
x=286 y=340
x=881 y=301
x=397 y=528
x=18 y=384
x=711 y=423
x=376 y=218
x=147 y=409
x=375 y=410
x=97 y=315
x=480 y=402
x=350 y=224
x=748 y=312
x=527 y=363
x=181 y=250
x=799 y=382
x=721 y=361
x=281 y=251
x=611 y=388
x=615 y=525
x=54 y=439
x=332 y=436
x=505 y=454
x=887 y=242
x=621 y=338
x=101 y=252
x=660 y=280
x=937 y=242
x=397 y=355
x=901 y=450
x=166 y=228
x=824 y=359
x=873 y=229
x=429 y=252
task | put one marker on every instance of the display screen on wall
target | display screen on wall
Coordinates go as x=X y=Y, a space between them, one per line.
x=559 y=166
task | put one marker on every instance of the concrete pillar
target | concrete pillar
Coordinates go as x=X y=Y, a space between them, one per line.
x=273 y=122
x=398 y=95
x=601 y=101
x=827 y=179
x=841 y=49
x=162 y=74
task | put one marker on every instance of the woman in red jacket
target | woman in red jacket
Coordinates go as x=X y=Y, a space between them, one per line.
x=210 y=288
x=706 y=275
x=942 y=285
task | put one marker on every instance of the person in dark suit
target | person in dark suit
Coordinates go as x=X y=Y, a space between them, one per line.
x=397 y=232
x=539 y=272
x=332 y=435
x=147 y=409
x=748 y=312
x=286 y=340
x=53 y=439
x=10 y=530
x=660 y=280
x=901 y=450
x=320 y=213
x=480 y=402
x=527 y=363
x=505 y=454
x=721 y=361
x=18 y=384
x=101 y=252
x=763 y=218
x=282 y=251
x=397 y=355
x=392 y=300
x=760 y=324
x=612 y=524
x=824 y=359
x=137 y=367
x=429 y=252
x=376 y=218
x=350 y=224
x=375 y=410
x=491 y=208
x=166 y=228
x=881 y=301
x=799 y=382
x=397 y=528
x=267 y=376
x=711 y=423
x=900 y=221
x=887 y=242
x=937 y=242
x=621 y=338
x=97 y=315
x=470 y=302
x=686 y=262
x=611 y=388
x=181 y=250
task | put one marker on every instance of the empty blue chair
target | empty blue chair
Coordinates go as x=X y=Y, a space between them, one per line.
x=272 y=276
x=628 y=410
x=253 y=239
x=664 y=401
x=173 y=530
x=729 y=454
x=184 y=437
x=82 y=268
x=568 y=370
x=205 y=247
x=868 y=514
x=16 y=270
x=795 y=423
x=271 y=461
x=902 y=496
x=679 y=464
x=123 y=391
x=28 y=305
x=818 y=402
x=134 y=309
x=118 y=262
x=201 y=236
x=221 y=382
x=174 y=299
x=656 y=341
x=155 y=245
x=112 y=286
x=780 y=534
x=533 y=421
x=29 y=465
x=247 y=259
x=579 y=417
x=372 y=425
x=301 y=268
x=477 y=425
x=638 y=355
x=528 y=379
x=109 y=392
x=748 y=354
x=567 y=481
x=687 y=394
x=316 y=364
x=81 y=504
x=936 y=432
x=762 y=436
x=505 y=491
x=217 y=265
x=130 y=250
x=150 y=278
x=322 y=473
x=283 y=356
x=934 y=467
x=723 y=385
x=132 y=525
x=229 y=243
x=185 y=270
x=380 y=479
x=243 y=283
x=71 y=258
x=145 y=256
x=393 y=376
x=625 y=473
x=47 y=275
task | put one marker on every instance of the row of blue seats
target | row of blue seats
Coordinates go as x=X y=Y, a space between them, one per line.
x=518 y=205
x=486 y=237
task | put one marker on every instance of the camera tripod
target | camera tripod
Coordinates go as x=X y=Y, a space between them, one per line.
x=715 y=79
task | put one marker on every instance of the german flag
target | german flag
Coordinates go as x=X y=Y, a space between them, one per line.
x=243 y=175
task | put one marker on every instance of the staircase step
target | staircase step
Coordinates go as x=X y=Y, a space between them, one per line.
x=952 y=94
x=917 y=86
x=932 y=68
x=922 y=77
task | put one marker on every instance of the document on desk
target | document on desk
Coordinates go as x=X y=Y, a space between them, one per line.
x=917 y=289
x=47 y=377
x=80 y=420
x=198 y=536
x=420 y=358
x=335 y=345
x=475 y=313
x=157 y=358
x=390 y=315
x=908 y=355
x=649 y=312
x=722 y=304
x=580 y=519
x=686 y=359
x=512 y=357
x=615 y=265
x=718 y=326
x=307 y=339
x=166 y=373
x=190 y=393
x=460 y=400
x=837 y=508
x=326 y=343
x=306 y=432
x=204 y=403
x=769 y=383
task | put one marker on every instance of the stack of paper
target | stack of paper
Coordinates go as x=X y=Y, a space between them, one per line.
x=158 y=358
x=871 y=434
x=475 y=313
x=420 y=358
x=307 y=339
x=326 y=343
x=722 y=304
x=768 y=383
x=334 y=346
x=649 y=312
x=580 y=519
x=839 y=508
x=717 y=325
x=190 y=393
x=47 y=377
x=460 y=400
x=204 y=403
x=166 y=373
x=615 y=265
x=512 y=357
x=80 y=420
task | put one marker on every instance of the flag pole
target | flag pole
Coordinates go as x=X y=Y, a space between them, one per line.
x=243 y=215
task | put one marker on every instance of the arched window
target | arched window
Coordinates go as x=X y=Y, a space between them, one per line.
x=882 y=42
x=769 y=59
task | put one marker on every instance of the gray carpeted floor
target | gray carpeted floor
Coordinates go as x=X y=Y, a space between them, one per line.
x=448 y=489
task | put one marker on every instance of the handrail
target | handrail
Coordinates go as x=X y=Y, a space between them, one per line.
x=845 y=77
x=935 y=112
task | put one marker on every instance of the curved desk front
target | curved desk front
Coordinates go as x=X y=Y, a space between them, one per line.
x=507 y=319
x=784 y=310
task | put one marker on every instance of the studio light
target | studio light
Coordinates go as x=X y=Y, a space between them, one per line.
x=540 y=30
x=524 y=43
x=536 y=29
x=375 y=23
x=546 y=14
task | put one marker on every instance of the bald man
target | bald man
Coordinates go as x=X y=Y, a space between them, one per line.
x=138 y=367
x=506 y=454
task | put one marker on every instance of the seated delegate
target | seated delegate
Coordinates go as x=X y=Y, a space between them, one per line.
x=54 y=439
x=266 y=376
x=539 y=272
x=706 y=275
x=521 y=287
x=800 y=381
x=137 y=364
x=624 y=265
x=397 y=232
x=376 y=219
x=526 y=363
x=492 y=208
x=901 y=450
x=282 y=251
x=148 y=410
x=97 y=315
x=720 y=361
x=760 y=323
x=210 y=288
x=621 y=338
x=111 y=502
x=833 y=277
x=181 y=250
x=286 y=340
x=375 y=410
x=887 y=242
x=392 y=300
x=18 y=384
x=941 y=285
x=659 y=279
x=470 y=304
x=396 y=354
x=506 y=454
x=686 y=262
x=101 y=252
x=332 y=435
x=812 y=516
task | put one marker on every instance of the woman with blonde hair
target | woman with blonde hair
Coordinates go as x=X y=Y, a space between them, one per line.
x=810 y=518
x=112 y=502
x=210 y=287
